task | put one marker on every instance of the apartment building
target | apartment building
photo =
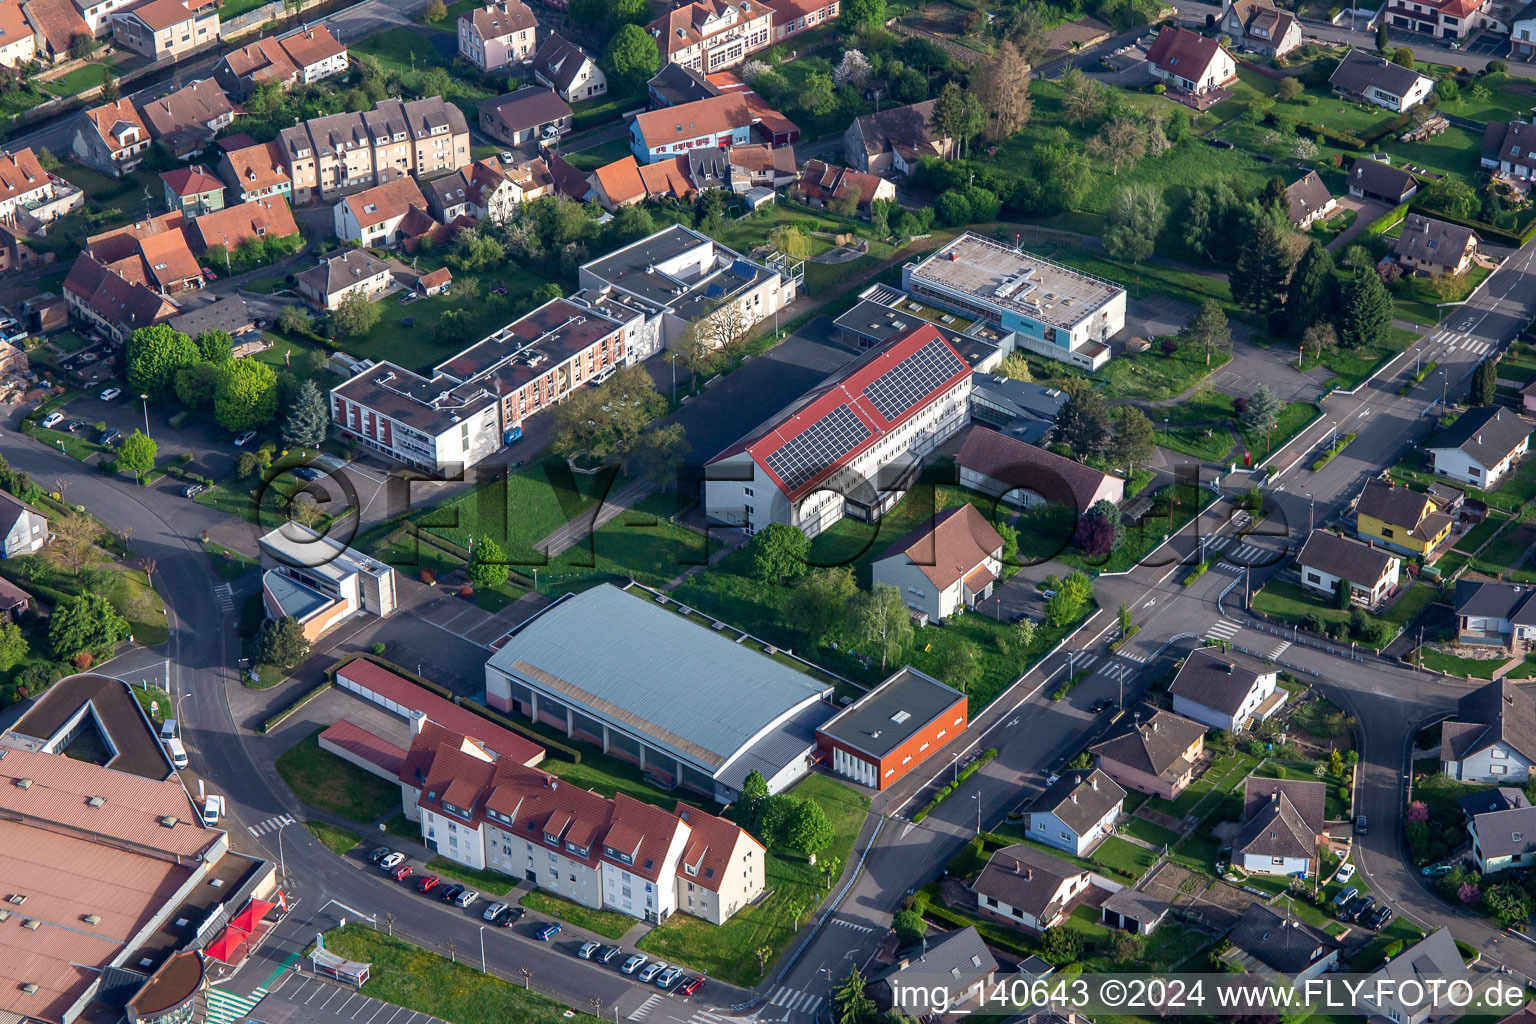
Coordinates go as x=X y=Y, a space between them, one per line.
x=166 y=29
x=712 y=35
x=480 y=192
x=187 y=120
x=336 y=154
x=475 y=402
x=306 y=56
x=30 y=196
x=498 y=35
x=18 y=44
x=719 y=122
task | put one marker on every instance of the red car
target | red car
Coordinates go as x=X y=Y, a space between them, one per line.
x=427 y=882
x=401 y=873
x=691 y=986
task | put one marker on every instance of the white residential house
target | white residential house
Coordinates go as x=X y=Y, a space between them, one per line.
x=1328 y=560
x=1076 y=811
x=1225 y=691
x=944 y=565
x=1380 y=81
x=1482 y=446
x=1388 y=993
x=1028 y=887
x=1190 y=62
x=1491 y=740
x=1503 y=840
x=26 y=529
x=1282 y=826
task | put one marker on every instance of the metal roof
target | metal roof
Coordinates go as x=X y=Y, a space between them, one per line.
x=652 y=672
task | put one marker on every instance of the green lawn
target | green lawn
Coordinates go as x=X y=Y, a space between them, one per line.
x=608 y=923
x=642 y=542
x=1477 y=668
x=1172 y=508
x=488 y=883
x=1291 y=603
x=337 y=840
x=412 y=55
x=1373 y=953
x=323 y=780
x=227 y=562
x=409 y=976
x=516 y=511
x=87 y=76
x=728 y=951
x=598 y=156
x=1127 y=858
x=1480 y=534
x=1146 y=831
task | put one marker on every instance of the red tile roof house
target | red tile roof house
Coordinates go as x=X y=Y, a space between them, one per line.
x=110 y=138
x=497 y=35
x=187 y=120
x=721 y=122
x=110 y=302
x=791 y=17
x=1190 y=62
x=377 y=215
x=709 y=35
x=229 y=227
x=946 y=564
x=822 y=183
x=193 y=191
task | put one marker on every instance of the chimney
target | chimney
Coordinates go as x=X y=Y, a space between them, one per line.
x=1093 y=783
x=1231 y=667
x=1074 y=796
x=418 y=719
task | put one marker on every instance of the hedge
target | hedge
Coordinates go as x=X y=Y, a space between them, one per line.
x=1386 y=221
x=1199 y=570
x=1338 y=446
x=1418 y=378
x=996 y=935
x=571 y=754
x=281 y=716
x=949 y=787
x=1066 y=687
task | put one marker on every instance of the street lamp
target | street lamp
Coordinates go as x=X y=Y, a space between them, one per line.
x=954 y=762
x=144 y=397
x=482 y=950
x=282 y=864
x=977 y=798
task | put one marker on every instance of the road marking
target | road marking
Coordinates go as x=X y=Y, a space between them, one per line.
x=852 y=927
x=225 y=594
x=644 y=1008
x=1224 y=629
x=275 y=822
x=1279 y=649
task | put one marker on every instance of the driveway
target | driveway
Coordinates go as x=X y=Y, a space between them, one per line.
x=1368 y=210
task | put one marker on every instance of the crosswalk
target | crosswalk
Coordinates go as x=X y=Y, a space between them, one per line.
x=792 y=1000
x=1455 y=341
x=639 y=1012
x=224 y=593
x=1231 y=569
x=1223 y=629
x=1243 y=554
x=1279 y=649
x=1118 y=666
x=227 y=1007
x=277 y=821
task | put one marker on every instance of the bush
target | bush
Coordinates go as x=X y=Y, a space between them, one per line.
x=466 y=591
x=379 y=647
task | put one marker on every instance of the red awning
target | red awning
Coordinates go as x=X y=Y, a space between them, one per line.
x=249 y=918
x=230 y=947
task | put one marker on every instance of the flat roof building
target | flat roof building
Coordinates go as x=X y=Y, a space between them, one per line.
x=669 y=691
x=1053 y=310
x=893 y=728
x=125 y=736
x=321 y=582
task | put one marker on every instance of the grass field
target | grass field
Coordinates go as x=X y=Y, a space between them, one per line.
x=1480 y=534
x=610 y=924
x=413 y=56
x=1477 y=668
x=517 y=510
x=1291 y=603
x=337 y=840
x=409 y=976
x=1144 y=830
x=728 y=951
x=323 y=780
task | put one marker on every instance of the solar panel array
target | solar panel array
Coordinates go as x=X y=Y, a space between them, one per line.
x=818 y=446
x=909 y=381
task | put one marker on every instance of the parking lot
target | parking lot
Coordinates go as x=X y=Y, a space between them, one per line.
x=307 y=998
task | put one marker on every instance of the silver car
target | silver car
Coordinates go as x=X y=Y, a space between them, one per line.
x=667 y=977
x=390 y=862
x=633 y=964
x=648 y=974
x=466 y=898
x=492 y=910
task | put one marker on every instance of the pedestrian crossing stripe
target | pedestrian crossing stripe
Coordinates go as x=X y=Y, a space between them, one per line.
x=1223 y=628
x=644 y=1008
x=271 y=824
x=795 y=1001
x=1280 y=649
x=227 y=1007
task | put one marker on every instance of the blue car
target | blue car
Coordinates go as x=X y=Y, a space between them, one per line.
x=547 y=932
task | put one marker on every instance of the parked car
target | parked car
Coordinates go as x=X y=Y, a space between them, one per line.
x=506 y=157
x=192 y=490
x=451 y=893
x=110 y=393
x=108 y=436
x=74 y=425
x=1361 y=825
x=401 y=873
x=1345 y=896
x=492 y=910
x=547 y=931
x=377 y=854
x=690 y=987
x=1101 y=705
x=428 y=883
x=245 y=438
x=1436 y=870
x=587 y=950
x=667 y=977
x=1221 y=143
x=1345 y=873
x=649 y=971
x=213 y=809
x=506 y=917
x=1380 y=919
x=466 y=898
x=307 y=473
x=53 y=419
x=389 y=860
x=606 y=954
x=633 y=964
x=1360 y=906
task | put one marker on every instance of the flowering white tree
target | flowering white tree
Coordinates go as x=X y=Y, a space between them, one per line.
x=1304 y=149
x=753 y=69
x=854 y=70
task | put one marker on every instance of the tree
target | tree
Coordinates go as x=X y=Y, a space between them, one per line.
x=282 y=643
x=111 y=91
x=1258 y=279
x=1311 y=296
x=137 y=454
x=1319 y=338
x=631 y=57
x=1484 y=383
x=1508 y=903
x=1263 y=411
x=81 y=45
x=1015 y=367
x=1083 y=424
x=657 y=454
x=246 y=395
x=818 y=606
x=1290 y=89
x=1120 y=143
x=1197 y=220
x=1069 y=172
x=909 y=927
x=1403 y=57
x=960 y=665
x=355 y=316
x=85 y=623
x=215 y=346
x=883 y=620
x=856 y=15
x=1451 y=197
x=953 y=208
x=293 y=320
x=1082 y=98
x=1099 y=531
x=709 y=208
x=850 y=1003
x=791 y=241
x=779 y=552
x=1002 y=87
x=436 y=11
x=1381 y=37
x=1134 y=438
x=13 y=645
x=1209 y=329
x=853 y=70
x=487 y=563
x=73 y=547
x=1023 y=635
x=307 y=419
x=809 y=831
x=1060 y=945
x=1136 y=216
x=154 y=355
x=753 y=802
x=1365 y=310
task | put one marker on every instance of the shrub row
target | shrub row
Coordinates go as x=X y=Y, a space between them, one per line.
x=1199 y=570
x=303 y=698
x=1003 y=938
x=1338 y=446
x=569 y=753
x=950 y=787
x=1418 y=378
x=1066 y=687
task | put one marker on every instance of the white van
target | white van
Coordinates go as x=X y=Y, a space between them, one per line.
x=168 y=730
x=212 y=809
x=176 y=752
